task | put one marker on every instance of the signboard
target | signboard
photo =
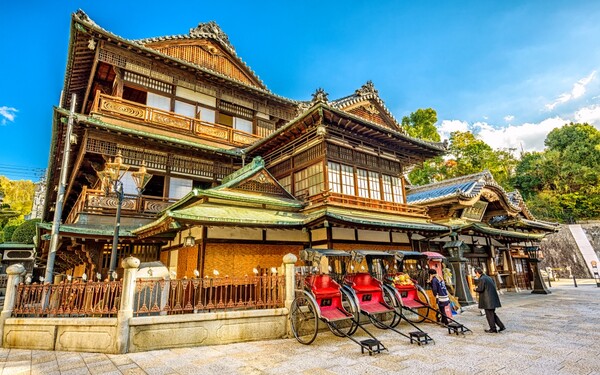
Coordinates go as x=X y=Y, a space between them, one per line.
x=475 y=212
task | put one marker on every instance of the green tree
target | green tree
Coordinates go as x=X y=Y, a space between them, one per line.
x=563 y=182
x=421 y=124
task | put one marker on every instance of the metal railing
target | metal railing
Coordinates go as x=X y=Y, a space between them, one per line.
x=165 y=297
x=77 y=299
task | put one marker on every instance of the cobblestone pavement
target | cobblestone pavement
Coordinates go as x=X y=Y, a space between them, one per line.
x=546 y=334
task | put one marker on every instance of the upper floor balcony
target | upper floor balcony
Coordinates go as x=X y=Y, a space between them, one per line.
x=121 y=109
x=368 y=204
x=96 y=202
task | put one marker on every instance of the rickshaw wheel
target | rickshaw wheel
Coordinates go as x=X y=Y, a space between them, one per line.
x=304 y=322
x=421 y=312
x=387 y=319
x=392 y=300
x=346 y=327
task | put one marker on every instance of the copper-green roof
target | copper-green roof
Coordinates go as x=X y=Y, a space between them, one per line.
x=390 y=221
x=225 y=214
x=104 y=230
x=484 y=229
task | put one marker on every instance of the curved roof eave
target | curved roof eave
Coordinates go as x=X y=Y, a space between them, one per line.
x=88 y=22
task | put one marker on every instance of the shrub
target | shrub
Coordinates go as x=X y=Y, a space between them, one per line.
x=25 y=232
x=8 y=232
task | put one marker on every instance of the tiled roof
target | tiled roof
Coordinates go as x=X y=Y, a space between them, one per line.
x=366 y=92
x=463 y=187
x=81 y=17
x=101 y=230
x=376 y=219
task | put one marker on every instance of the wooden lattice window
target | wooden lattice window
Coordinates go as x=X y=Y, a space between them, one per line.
x=236 y=109
x=148 y=82
x=281 y=168
x=309 y=155
x=309 y=181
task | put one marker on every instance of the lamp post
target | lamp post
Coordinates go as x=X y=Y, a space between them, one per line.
x=111 y=181
x=539 y=287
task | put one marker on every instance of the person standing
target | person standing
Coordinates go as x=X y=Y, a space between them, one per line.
x=438 y=287
x=489 y=301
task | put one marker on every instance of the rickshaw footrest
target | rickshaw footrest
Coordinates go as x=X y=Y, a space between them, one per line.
x=419 y=337
x=456 y=328
x=373 y=345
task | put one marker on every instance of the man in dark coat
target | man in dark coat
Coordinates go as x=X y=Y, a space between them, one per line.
x=489 y=300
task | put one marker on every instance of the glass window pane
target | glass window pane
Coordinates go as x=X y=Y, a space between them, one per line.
x=185 y=109
x=179 y=187
x=348 y=180
x=334 y=177
x=158 y=101
x=207 y=115
x=243 y=125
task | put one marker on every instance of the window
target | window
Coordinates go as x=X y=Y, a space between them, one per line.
x=179 y=187
x=347 y=179
x=243 y=125
x=341 y=178
x=374 y=185
x=286 y=182
x=206 y=114
x=225 y=119
x=335 y=184
x=392 y=189
x=309 y=180
x=185 y=109
x=128 y=184
x=159 y=101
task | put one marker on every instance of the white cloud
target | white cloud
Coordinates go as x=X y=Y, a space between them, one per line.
x=577 y=91
x=526 y=137
x=509 y=118
x=590 y=114
x=7 y=114
x=449 y=126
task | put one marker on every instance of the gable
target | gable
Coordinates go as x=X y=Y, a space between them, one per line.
x=208 y=54
x=370 y=110
x=262 y=182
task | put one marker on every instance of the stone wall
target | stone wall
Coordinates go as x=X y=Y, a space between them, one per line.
x=560 y=250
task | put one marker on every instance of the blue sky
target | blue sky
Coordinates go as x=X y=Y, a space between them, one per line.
x=510 y=71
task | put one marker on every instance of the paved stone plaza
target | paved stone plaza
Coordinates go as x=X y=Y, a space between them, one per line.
x=546 y=334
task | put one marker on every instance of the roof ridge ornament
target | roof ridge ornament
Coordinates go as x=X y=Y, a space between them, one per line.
x=366 y=89
x=320 y=96
x=211 y=30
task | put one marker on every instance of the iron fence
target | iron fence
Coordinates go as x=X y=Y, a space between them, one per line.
x=76 y=299
x=188 y=296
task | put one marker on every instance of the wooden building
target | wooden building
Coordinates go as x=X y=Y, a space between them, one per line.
x=206 y=128
x=492 y=228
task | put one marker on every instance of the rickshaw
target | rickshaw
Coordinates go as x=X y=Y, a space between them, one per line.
x=408 y=296
x=319 y=297
x=360 y=294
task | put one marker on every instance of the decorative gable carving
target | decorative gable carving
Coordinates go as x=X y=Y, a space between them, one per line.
x=262 y=183
x=207 y=54
x=370 y=111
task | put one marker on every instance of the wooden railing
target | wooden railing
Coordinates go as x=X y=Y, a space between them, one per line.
x=96 y=201
x=125 y=109
x=368 y=204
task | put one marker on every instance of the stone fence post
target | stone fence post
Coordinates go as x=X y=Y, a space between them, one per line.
x=130 y=266
x=15 y=277
x=290 y=278
x=290 y=285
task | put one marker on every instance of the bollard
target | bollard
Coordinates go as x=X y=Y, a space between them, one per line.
x=574 y=281
x=549 y=283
